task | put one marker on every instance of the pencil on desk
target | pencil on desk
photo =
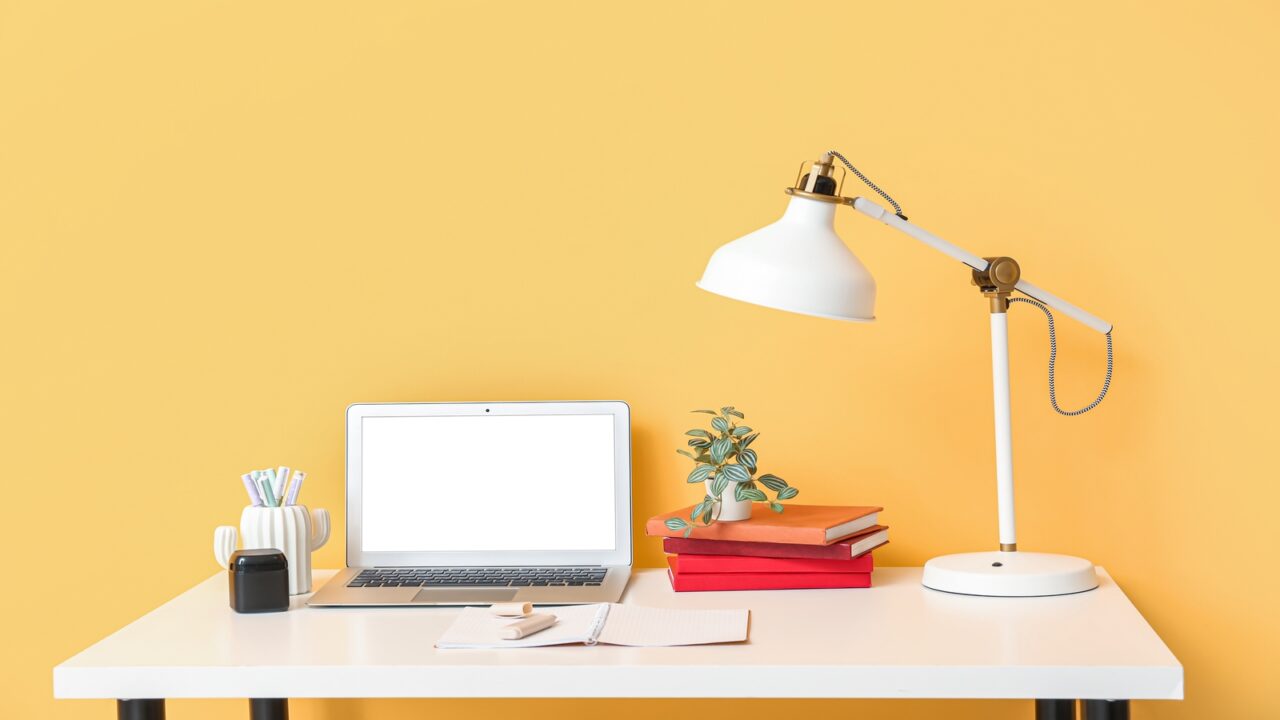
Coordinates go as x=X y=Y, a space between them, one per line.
x=527 y=626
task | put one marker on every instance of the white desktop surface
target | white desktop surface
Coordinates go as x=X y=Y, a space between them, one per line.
x=894 y=640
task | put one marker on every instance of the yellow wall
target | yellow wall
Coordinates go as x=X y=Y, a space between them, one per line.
x=221 y=223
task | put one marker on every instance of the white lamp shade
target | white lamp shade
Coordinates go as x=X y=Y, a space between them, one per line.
x=797 y=264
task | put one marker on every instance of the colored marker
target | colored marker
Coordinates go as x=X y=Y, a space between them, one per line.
x=295 y=487
x=274 y=484
x=266 y=492
x=251 y=487
x=282 y=483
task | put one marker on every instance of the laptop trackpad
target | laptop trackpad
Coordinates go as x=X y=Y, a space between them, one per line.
x=464 y=596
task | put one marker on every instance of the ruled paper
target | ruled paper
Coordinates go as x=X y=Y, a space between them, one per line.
x=662 y=627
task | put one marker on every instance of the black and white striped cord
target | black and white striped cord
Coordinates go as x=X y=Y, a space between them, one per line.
x=1053 y=357
x=1053 y=336
x=897 y=209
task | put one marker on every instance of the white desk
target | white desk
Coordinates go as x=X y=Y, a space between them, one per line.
x=895 y=640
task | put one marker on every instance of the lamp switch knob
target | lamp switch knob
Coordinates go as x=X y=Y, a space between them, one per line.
x=1000 y=275
x=1004 y=271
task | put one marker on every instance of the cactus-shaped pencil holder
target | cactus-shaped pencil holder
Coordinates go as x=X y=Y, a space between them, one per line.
x=289 y=529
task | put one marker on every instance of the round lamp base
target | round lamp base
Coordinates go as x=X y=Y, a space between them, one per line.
x=1010 y=574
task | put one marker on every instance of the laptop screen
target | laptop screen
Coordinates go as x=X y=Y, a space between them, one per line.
x=487 y=483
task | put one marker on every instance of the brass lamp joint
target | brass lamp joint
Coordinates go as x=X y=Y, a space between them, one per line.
x=997 y=281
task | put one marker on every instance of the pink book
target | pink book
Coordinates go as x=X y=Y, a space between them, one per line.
x=693 y=564
x=849 y=547
x=696 y=582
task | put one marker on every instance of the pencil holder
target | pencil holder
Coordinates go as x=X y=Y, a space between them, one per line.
x=289 y=529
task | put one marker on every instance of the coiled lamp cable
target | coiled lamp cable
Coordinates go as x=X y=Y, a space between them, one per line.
x=1053 y=358
x=1053 y=336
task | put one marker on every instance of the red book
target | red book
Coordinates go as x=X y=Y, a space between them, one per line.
x=847 y=548
x=696 y=582
x=694 y=564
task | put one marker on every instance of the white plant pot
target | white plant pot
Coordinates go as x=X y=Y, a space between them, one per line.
x=289 y=529
x=729 y=508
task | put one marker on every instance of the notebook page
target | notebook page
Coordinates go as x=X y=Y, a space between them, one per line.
x=477 y=628
x=663 y=627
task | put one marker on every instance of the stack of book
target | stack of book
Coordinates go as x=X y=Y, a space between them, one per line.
x=806 y=546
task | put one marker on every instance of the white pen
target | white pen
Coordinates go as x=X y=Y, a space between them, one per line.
x=295 y=487
x=282 y=482
x=282 y=477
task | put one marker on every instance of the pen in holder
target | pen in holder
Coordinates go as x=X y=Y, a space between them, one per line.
x=289 y=529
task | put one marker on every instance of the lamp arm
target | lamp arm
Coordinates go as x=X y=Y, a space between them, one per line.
x=875 y=212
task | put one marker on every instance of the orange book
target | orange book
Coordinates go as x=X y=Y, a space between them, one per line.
x=797 y=525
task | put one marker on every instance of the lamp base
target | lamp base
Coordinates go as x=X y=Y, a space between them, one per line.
x=1010 y=574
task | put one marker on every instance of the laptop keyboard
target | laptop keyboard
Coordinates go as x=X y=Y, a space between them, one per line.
x=477 y=577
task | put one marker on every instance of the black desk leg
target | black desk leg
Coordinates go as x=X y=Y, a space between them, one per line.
x=1106 y=709
x=268 y=709
x=150 y=709
x=1055 y=710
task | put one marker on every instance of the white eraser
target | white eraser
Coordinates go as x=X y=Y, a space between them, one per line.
x=511 y=609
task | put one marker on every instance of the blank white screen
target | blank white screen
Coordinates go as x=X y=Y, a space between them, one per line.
x=514 y=482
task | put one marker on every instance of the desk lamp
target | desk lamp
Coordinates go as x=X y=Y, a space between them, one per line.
x=800 y=265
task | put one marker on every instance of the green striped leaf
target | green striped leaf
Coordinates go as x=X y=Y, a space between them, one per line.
x=753 y=494
x=718 y=484
x=730 y=411
x=699 y=443
x=773 y=482
x=720 y=424
x=687 y=454
x=699 y=473
x=675 y=523
x=746 y=441
x=776 y=507
x=720 y=450
x=747 y=458
x=735 y=473
x=787 y=493
x=698 y=432
x=740 y=431
x=698 y=510
x=709 y=412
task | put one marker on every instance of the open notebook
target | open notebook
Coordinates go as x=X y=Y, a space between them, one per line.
x=607 y=623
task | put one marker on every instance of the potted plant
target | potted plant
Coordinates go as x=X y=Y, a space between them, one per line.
x=726 y=465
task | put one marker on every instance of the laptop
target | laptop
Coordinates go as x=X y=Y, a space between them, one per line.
x=477 y=503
